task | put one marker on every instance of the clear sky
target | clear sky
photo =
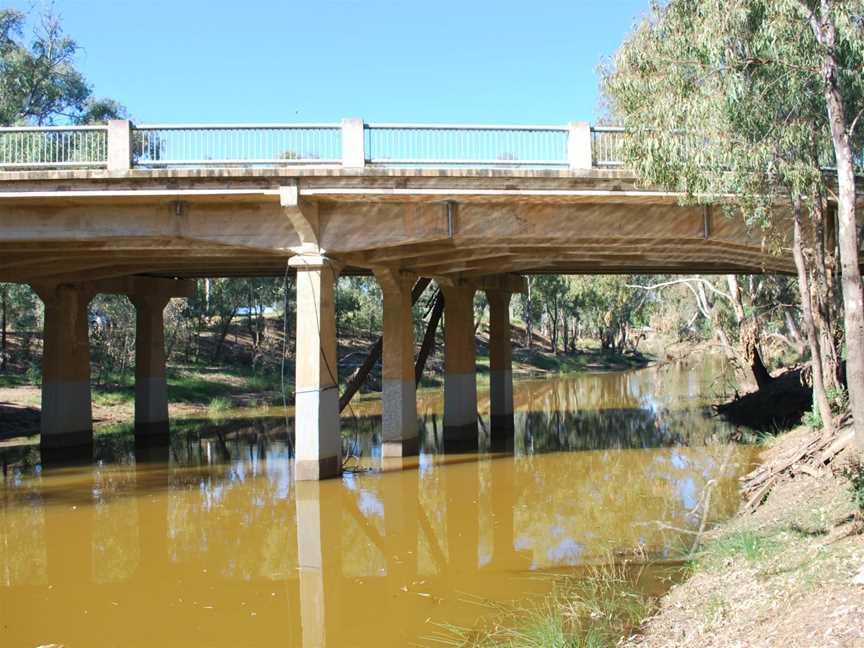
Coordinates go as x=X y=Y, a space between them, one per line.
x=321 y=60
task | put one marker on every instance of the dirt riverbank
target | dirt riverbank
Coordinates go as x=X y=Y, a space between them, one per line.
x=789 y=574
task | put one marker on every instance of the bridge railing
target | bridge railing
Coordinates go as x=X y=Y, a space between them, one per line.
x=53 y=146
x=160 y=145
x=606 y=145
x=465 y=145
x=121 y=146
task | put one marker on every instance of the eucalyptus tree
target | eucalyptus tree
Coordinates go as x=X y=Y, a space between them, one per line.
x=741 y=103
x=39 y=84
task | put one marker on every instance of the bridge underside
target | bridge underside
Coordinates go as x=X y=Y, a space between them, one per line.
x=73 y=234
x=446 y=224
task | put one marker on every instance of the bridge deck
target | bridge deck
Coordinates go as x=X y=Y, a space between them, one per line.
x=450 y=222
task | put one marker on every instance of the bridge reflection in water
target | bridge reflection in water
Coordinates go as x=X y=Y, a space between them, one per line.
x=216 y=544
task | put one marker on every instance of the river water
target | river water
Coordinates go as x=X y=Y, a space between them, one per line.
x=212 y=543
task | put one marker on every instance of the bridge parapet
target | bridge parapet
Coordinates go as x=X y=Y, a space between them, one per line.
x=350 y=144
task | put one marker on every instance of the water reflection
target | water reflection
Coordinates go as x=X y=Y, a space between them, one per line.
x=212 y=543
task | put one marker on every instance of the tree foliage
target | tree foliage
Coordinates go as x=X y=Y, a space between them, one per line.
x=39 y=81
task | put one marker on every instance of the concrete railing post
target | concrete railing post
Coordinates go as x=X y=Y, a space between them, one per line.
x=353 y=143
x=579 y=145
x=119 y=145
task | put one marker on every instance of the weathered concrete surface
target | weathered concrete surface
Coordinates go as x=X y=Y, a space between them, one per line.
x=500 y=363
x=316 y=419
x=399 y=428
x=67 y=419
x=444 y=223
x=151 y=393
x=460 y=379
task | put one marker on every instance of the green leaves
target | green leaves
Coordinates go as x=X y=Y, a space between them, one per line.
x=39 y=83
x=724 y=100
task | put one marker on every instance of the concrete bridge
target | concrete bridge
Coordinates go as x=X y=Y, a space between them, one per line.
x=141 y=210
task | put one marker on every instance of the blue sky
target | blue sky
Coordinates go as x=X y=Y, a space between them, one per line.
x=321 y=60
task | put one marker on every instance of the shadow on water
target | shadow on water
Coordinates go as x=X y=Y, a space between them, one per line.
x=210 y=537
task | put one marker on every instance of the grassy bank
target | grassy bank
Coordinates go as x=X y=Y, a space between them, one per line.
x=591 y=609
x=242 y=379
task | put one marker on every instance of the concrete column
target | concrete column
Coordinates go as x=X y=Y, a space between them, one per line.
x=151 y=396
x=500 y=364
x=67 y=420
x=399 y=393
x=316 y=404
x=460 y=378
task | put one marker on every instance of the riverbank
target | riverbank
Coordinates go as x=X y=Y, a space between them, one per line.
x=242 y=380
x=789 y=574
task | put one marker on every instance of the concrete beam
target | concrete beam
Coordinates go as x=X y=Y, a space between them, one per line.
x=316 y=413
x=145 y=286
x=460 y=378
x=399 y=397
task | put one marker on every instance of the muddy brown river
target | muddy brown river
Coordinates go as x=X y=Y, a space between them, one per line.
x=211 y=542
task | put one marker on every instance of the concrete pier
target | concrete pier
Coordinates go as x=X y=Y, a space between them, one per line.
x=151 y=395
x=67 y=421
x=316 y=412
x=500 y=364
x=399 y=394
x=460 y=378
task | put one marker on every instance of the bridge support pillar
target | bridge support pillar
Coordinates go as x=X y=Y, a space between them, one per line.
x=460 y=377
x=316 y=412
x=399 y=392
x=500 y=365
x=67 y=420
x=151 y=395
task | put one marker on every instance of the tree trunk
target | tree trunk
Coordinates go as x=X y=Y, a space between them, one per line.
x=565 y=334
x=3 y=345
x=528 y=313
x=793 y=330
x=823 y=289
x=428 y=343
x=374 y=355
x=361 y=373
x=819 y=392
x=853 y=301
x=224 y=326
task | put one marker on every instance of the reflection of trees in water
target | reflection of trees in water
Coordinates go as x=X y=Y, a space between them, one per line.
x=611 y=499
x=545 y=431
